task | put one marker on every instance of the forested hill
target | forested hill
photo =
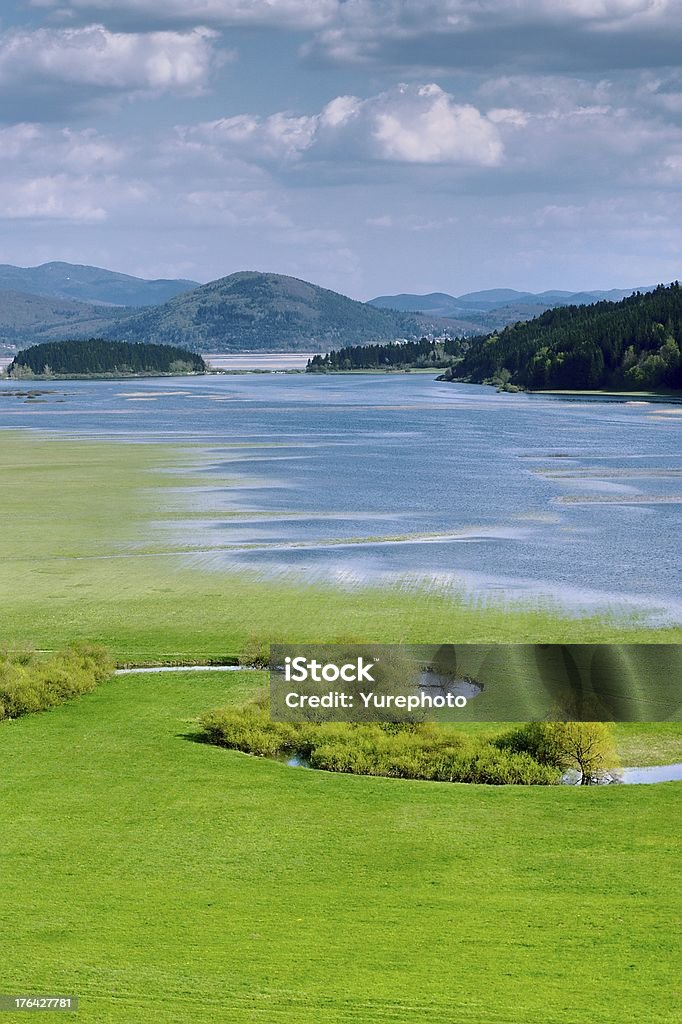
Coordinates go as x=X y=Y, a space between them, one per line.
x=633 y=344
x=96 y=357
x=251 y=311
x=396 y=355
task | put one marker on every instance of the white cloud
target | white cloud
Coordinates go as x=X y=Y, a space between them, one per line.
x=401 y=15
x=409 y=124
x=508 y=115
x=49 y=173
x=662 y=91
x=561 y=93
x=50 y=197
x=84 y=177
x=428 y=33
x=425 y=126
x=235 y=208
x=479 y=32
x=413 y=222
x=669 y=171
x=278 y=137
x=111 y=61
x=292 y=14
x=36 y=146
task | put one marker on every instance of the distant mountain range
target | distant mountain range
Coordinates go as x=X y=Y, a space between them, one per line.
x=89 y=284
x=495 y=308
x=245 y=311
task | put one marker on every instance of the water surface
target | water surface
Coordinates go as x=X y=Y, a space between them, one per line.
x=403 y=479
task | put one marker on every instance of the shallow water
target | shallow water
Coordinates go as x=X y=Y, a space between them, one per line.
x=357 y=479
x=658 y=773
x=627 y=776
x=635 y=776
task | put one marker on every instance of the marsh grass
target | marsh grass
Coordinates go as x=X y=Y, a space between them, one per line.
x=72 y=509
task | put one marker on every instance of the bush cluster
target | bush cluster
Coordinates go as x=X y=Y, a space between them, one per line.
x=584 y=748
x=420 y=750
x=29 y=683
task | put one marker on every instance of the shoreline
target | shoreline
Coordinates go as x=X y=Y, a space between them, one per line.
x=644 y=396
x=58 y=377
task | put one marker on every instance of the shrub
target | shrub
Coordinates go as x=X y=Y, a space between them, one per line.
x=502 y=767
x=255 y=654
x=396 y=750
x=585 y=747
x=250 y=730
x=29 y=683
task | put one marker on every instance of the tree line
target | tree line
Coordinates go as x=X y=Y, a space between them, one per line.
x=632 y=344
x=97 y=356
x=398 y=355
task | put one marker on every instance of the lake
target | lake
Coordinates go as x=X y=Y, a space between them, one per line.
x=406 y=480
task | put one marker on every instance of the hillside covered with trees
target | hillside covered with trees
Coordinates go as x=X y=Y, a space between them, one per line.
x=253 y=311
x=29 y=319
x=633 y=344
x=99 y=358
x=396 y=355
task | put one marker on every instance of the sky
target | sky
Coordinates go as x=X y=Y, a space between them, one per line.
x=369 y=146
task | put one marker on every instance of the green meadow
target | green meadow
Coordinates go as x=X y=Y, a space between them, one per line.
x=163 y=879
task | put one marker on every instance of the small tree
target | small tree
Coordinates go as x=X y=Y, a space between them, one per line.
x=585 y=747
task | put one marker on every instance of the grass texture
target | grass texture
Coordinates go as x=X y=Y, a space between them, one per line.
x=161 y=879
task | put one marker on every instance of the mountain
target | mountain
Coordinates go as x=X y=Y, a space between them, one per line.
x=28 y=318
x=90 y=284
x=246 y=311
x=494 y=307
x=435 y=303
x=491 y=297
x=250 y=311
x=633 y=344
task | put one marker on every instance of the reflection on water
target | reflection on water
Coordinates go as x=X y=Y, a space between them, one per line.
x=402 y=479
x=627 y=776
x=658 y=773
x=634 y=776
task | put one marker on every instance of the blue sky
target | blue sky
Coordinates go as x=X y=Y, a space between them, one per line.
x=370 y=146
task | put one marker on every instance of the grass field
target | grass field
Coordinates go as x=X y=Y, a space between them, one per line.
x=164 y=880
x=81 y=561
x=161 y=879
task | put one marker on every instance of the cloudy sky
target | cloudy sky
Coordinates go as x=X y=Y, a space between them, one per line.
x=371 y=146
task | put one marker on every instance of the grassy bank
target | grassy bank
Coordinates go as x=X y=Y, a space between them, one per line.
x=82 y=562
x=161 y=879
